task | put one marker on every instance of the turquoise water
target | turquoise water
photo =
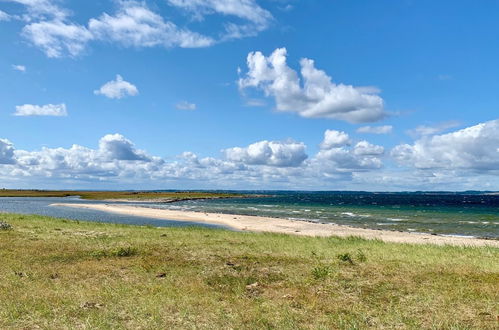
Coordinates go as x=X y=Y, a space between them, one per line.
x=439 y=213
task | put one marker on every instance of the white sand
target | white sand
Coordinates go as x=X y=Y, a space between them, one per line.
x=277 y=225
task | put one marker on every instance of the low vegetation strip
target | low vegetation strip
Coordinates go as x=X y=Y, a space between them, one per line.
x=67 y=274
x=117 y=195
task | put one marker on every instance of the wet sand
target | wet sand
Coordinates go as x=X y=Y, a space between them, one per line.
x=283 y=226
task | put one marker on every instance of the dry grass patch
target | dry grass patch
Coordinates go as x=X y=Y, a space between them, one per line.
x=66 y=274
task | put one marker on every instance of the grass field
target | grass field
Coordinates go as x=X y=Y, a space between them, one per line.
x=64 y=274
x=103 y=195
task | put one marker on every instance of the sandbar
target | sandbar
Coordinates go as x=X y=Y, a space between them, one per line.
x=283 y=226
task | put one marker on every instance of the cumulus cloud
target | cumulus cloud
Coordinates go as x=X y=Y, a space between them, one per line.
x=135 y=25
x=336 y=155
x=6 y=152
x=184 y=105
x=386 y=129
x=272 y=153
x=117 y=147
x=316 y=97
x=364 y=148
x=473 y=148
x=465 y=159
x=20 y=68
x=56 y=110
x=334 y=139
x=117 y=89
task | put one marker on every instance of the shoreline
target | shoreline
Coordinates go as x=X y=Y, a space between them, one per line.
x=283 y=226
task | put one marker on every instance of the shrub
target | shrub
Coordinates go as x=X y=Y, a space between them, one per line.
x=5 y=226
x=126 y=252
x=321 y=272
x=345 y=257
x=361 y=256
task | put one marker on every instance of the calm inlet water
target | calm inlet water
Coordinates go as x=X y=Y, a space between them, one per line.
x=449 y=214
x=439 y=213
x=41 y=206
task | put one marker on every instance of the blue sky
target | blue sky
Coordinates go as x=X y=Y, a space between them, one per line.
x=395 y=95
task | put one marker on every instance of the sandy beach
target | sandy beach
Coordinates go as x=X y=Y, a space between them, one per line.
x=283 y=226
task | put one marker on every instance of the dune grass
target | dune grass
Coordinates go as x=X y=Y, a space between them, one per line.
x=125 y=195
x=66 y=274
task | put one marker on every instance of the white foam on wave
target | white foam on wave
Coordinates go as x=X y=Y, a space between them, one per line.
x=396 y=219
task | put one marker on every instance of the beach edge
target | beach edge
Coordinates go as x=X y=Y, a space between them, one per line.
x=283 y=226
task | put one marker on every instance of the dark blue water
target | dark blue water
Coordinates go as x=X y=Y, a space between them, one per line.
x=467 y=214
x=41 y=206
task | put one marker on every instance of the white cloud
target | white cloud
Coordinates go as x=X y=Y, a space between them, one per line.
x=6 y=152
x=386 y=129
x=4 y=16
x=318 y=97
x=21 y=68
x=336 y=155
x=184 y=105
x=465 y=159
x=258 y=18
x=41 y=9
x=117 y=147
x=117 y=89
x=57 y=38
x=135 y=25
x=364 y=148
x=334 y=139
x=424 y=130
x=473 y=148
x=57 y=110
x=272 y=153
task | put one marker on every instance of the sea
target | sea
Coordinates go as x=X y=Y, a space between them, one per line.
x=474 y=214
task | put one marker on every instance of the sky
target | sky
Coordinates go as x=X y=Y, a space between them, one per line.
x=249 y=94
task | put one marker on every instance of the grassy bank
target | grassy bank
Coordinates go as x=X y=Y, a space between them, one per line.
x=125 y=195
x=65 y=274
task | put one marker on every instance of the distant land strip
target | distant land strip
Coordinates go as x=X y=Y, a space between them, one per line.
x=131 y=196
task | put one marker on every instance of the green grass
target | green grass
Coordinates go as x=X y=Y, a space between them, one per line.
x=61 y=274
x=102 y=195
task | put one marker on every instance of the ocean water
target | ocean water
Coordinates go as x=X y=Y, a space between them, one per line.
x=471 y=214
x=459 y=214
